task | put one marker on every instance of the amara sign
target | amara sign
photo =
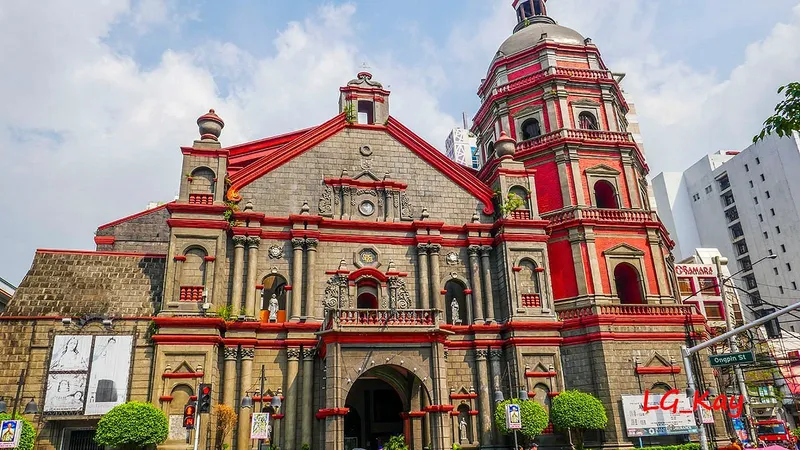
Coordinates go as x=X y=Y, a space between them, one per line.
x=695 y=270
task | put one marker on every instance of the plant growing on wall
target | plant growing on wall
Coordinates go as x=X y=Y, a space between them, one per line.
x=231 y=209
x=579 y=411
x=305 y=447
x=512 y=202
x=787 y=114
x=534 y=418
x=28 y=436
x=396 y=443
x=350 y=112
x=226 y=420
x=227 y=313
x=132 y=425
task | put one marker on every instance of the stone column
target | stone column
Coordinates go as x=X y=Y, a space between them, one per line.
x=422 y=278
x=497 y=377
x=486 y=279
x=477 y=290
x=563 y=179
x=311 y=279
x=630 y=181
x=229 y=383
x=238 y=268
x=296 y=293
x=577 y=179
x=436 y=294
x=576 y=237
x=252 y=271
x=308 y=396
x=484 y=406
x=292 y=365
x=657 y=255
x=244 y=413
x=416 y=429
x=176 y=279
x=594 y=265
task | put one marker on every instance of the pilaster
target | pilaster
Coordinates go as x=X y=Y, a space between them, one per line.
x=290 y=419
x=435 y=278
x=229 y=383
x=563 y=179
x=486 y=281
x=247 y=354
x=238 y=269
x=252 y=271
x=484 y=407
x=575 y=239
x=497 y=376
x=422 y=276
x=311 y=278
x=296 y=294
x=657 y=255
x=594 y=265
x=477 y=289
x=308 y=396
x=630 y=179
x=577 y=184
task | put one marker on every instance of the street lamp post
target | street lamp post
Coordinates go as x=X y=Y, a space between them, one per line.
x=30 y=408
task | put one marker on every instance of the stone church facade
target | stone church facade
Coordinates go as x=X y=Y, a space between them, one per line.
x=374 y=286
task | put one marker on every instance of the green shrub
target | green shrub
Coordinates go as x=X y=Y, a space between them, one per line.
x=534 y=418
x=28 y=436
x=131 y=426
x=305 y=447
x=396 y=443
x=579 y=411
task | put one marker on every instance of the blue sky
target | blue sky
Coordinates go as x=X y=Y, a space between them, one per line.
x=101 y=93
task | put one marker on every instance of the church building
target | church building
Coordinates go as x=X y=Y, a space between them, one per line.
x=357 y=284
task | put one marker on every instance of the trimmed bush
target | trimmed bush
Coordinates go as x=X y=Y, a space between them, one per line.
x=579 y=411
x=132 y=425
x=534 y=418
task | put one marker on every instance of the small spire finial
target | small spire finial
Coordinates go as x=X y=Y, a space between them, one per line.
x=210 y=125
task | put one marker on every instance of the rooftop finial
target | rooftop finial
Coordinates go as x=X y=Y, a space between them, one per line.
x=530 y=11
x=211 y=126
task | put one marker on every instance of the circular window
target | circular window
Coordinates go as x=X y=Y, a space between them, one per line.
x=366 y=208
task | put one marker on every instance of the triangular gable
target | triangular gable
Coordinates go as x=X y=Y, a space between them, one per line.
x=658 y=361
x=455 y=172
x=602 y=169
x=624 y=250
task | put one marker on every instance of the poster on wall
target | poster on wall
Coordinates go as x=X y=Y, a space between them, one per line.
x=10 y=432
x=108 y=382
x=177 y=432
x=70 y=353
x=65 y=393
x=259 y=426
x=656 y=421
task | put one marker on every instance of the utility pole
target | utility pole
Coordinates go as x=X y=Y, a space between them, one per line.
x=688 y=352
x=751 y=434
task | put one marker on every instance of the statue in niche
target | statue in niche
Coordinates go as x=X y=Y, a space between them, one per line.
x=273 y=308
x=462 y=429
x=454 y=310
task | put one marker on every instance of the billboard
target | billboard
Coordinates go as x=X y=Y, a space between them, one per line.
x=88 y=375
x=658 y=421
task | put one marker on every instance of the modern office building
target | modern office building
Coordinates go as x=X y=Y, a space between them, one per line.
x=745 y=204
x=461 y=146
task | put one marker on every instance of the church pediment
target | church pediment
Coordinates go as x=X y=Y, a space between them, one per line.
x=623 y=250
x=602 y=170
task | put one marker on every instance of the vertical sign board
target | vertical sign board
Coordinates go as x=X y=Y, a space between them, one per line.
x=513 y=417
x=10 y=432
x=259 y=426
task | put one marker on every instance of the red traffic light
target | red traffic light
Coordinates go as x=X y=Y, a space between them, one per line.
x=206 y=390
x=188 y=411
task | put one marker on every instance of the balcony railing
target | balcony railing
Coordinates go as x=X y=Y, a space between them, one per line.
x=201 y=199
x=600 y=215
x=339 y=318
x=568 y=133
x=191 y=294
x=531 y=301
x=521 y=214
x=628 y=310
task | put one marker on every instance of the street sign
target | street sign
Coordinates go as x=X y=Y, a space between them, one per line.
x=513 y=417
x=732 y=359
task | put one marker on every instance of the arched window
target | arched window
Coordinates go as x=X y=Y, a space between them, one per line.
x=588 y=121
x=193 y=275
x=201 y=186
x=274 y=284
x=629 y=284
x=531 y=129
x=605 y=195
x=660 y=388
x=528 y=284
x=455 y=290
x=367 y=294
x=490 y=150
x=524 y=211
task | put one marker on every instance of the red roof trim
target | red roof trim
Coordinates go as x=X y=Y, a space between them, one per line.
x=292 y=150
x=261 y=144
x=134 y=216
x=96 y=253
x=658 y=370
x=435 y=158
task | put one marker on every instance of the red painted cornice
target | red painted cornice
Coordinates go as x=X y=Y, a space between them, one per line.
x=463 y=396
x=323 y=413
x=189 y=322
x=134 y=216
x=627 y=336
x=366 y=184
x=658 y=370
x=531 y=374
x=205 y=152
x=368 y=272
x=439 y=408
x=182 y=376
x=105 y=240
x=439 y=161
x=198 y=223
x=177 y=339
x=293 y=149
x=195 y=208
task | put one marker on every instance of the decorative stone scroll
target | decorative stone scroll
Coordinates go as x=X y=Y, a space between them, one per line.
x=336 y=293
x=399 y=297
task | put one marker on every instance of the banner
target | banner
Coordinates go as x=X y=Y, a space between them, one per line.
x=658 y=421
x=260 y=427
x=108 y=382
x=10 y=432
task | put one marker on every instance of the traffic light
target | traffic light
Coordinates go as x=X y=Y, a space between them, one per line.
x=188 y=416
x=204 y=399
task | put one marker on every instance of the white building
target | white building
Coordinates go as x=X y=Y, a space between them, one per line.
x=747 y=205
x=462 y=147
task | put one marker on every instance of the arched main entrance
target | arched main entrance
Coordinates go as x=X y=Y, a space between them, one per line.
x=379 y=401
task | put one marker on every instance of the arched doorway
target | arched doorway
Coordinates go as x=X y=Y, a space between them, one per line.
x=378 y=402
x=629 y=286
x=367 y=295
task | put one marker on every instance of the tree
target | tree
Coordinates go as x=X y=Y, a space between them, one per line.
x=579 y=411
x=26 y=439
x=396 y=443
x=132 y=425
x=226 y=420
x=787 y=114
x=534 y=418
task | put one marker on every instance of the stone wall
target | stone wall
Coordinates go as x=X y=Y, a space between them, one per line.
x=145 y=233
